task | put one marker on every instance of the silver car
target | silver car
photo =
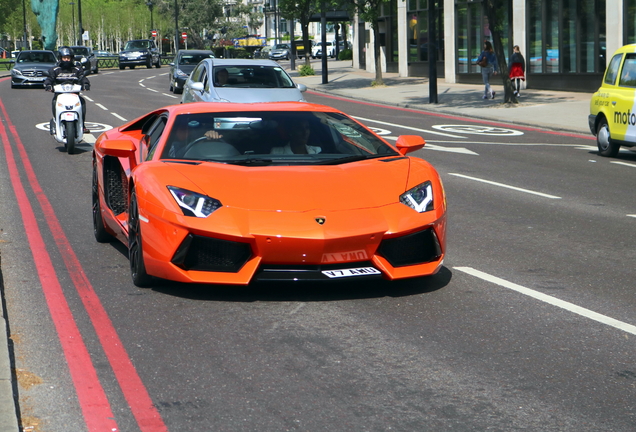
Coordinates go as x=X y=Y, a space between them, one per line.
x=240 y=80
x=31 y=67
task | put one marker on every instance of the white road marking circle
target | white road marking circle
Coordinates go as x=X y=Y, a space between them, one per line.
x=478 y=130
x=94 y=127
x=380 y=131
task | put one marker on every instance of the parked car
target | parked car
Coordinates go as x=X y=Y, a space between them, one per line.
x=240 y=80
x=208 y=193
x=30 y=67
x=612 y=119
x=140 y=52
x=280 y=51
x=86 y=57
x=262 y=53
x=184 y=63
x=316 y=51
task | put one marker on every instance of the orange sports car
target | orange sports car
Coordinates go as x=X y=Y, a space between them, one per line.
x=230 y=193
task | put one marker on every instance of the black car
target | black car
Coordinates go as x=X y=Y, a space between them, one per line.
x=86 y=57
x=184 y=63
x=140 y=52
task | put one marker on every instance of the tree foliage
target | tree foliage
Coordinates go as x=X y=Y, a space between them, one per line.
x=369 y=11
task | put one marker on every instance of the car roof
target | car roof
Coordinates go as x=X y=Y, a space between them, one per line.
x=626 y=48
x=193 y=51
x=243 y=62
x=36 y=51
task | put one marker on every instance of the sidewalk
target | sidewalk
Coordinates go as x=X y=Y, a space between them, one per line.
x=553 y=110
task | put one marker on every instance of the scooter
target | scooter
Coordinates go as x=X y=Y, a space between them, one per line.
x=68 y=124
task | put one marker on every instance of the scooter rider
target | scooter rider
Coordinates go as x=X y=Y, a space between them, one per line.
x=66 y=69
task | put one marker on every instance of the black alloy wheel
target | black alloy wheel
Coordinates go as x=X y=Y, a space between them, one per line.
x=135 y=252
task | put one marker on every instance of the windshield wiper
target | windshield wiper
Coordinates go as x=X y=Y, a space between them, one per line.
x=252 y=161
x=347 y=159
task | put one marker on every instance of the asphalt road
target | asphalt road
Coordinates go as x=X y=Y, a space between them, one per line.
x=529 y=325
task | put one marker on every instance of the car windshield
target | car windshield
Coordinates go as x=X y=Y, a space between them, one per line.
x=193 y=59
x=136 y=45
x=36 y=57
x=251 y=77
x=282 y=46
x=272 y=138
x=80 y=51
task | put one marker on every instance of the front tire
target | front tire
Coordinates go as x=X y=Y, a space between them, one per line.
x=135 y=252
x=70 y=137
x=606 y=146
x=99 y=229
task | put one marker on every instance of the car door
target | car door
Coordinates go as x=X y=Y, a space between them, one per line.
x=623 y=101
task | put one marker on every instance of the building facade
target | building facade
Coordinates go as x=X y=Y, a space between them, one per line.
x=566 y=43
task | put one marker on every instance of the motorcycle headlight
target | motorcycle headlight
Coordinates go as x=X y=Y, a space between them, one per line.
x=419 y=198
x=194 y=204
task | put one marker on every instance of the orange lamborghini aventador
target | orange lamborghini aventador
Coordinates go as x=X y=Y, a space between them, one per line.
x=230 y=193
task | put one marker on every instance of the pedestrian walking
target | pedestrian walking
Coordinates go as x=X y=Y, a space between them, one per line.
x=517 y=69
x=488 y=62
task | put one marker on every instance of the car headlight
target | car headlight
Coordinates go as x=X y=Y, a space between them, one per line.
x=181 y=73
x=194 y=204
x=83 y=60
x=16 y=72
x=419 y=198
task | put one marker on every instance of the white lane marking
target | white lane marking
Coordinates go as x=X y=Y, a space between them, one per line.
x=88 y=99
x=571 y=307
x=462 y=150
x=152 y=90
x=408 y=127
x=118 y=116
x=624 y=163
x=141 y=80
x=169 y=95
x=142 y=85
x=107 y=73
x=479 y=130
x=102 y=106
x=505 y=186
x=150 y=77
x=634 y=215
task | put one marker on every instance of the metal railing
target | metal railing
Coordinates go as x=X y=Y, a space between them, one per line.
x=102 y=62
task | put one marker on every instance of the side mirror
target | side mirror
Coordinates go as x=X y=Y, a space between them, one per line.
x=409 y=143
x=301 y=87
x=197 y=86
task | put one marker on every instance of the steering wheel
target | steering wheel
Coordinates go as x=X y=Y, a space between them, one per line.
x=193 y=143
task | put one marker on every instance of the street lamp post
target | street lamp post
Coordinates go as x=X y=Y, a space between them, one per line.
x=79 y=21
x=150 y=6
x=24 y=21
x=176 y=26
x=73 y=14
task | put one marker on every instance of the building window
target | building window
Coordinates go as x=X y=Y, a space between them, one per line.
x=566 y=36
x=629 y=24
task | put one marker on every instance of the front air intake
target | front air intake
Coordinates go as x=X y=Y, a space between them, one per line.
x=417 y=248
x=211 y=254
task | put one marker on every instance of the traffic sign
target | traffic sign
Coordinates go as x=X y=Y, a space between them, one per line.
x=184 y=35
x=154 y=33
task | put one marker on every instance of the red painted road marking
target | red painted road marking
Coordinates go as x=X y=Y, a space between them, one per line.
x=145 y=413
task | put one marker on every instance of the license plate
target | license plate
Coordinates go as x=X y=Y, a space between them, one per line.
x=67 y=116
x=360 y=271
x=37 y=79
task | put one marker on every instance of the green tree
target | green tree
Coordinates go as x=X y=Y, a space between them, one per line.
x=369 y=11
x=301 y=10
x=494 y=10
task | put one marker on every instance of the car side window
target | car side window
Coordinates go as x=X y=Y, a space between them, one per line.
x=205 y=80
x=628 y=73
x=196 y=74
x=155 y=132
x=612 y=69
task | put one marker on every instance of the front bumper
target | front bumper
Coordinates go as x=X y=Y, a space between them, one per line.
x=395 y=241
x=123 y=61
x=27 y=82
